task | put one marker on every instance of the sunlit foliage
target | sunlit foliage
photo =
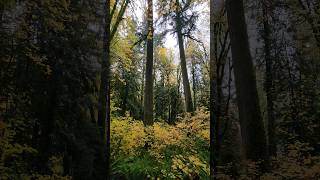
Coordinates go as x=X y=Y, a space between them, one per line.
x=161 y=150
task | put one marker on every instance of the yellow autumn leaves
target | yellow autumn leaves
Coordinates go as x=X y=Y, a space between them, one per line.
x=189 y=166
x=129 y=138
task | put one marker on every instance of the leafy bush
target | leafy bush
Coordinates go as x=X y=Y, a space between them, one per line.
x=161 y=150
x=15 y=159
x=296 y=163
x=181 y=151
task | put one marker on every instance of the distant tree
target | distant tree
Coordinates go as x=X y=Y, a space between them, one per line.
x=148 y=90
x=196 y=58
x=186 y=84
x=127 y=74
x=167 y=99
x=181 y=16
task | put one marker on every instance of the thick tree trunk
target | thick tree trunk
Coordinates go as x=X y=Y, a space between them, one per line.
x=104 y=94
x=213 y=96
x=252 y=129
x=148 y=91
x=269 y=82
x=185 y=79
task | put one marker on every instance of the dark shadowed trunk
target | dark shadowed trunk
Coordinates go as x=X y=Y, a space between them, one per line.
x=104 y=94
x=252 y=130
x=148 y=91
x=213 y=96
x=269 y=81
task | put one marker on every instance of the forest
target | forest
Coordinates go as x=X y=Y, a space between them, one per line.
x=159 y=89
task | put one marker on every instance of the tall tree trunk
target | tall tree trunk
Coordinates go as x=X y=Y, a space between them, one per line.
x=104 y=92
x=125 y=98
x=142 y=90
x=213 y=96
x=252 y=129
x=269 y=81
x=194 y=85
x=185 y=79
x=148 y=91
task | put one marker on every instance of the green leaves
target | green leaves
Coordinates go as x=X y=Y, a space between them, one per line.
x=174 y=151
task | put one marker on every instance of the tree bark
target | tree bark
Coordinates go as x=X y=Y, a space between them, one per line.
x=252 y=129
x=104 y=92
x=148 y=91
x=185 y=79
x=269 y=81
x=213 y=95
x=194 y=85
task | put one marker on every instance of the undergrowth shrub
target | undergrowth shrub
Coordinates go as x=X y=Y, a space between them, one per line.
x=296 y=162
x=15 y=159
x=161 y=151
x=181 y=151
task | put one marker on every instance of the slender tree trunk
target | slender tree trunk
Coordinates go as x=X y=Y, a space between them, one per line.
x=125 y=99
x=185 y=79
x=104 y=94
x=148 y=92
x=194 y=85
x=269 y=81
x=122 y=10
x=252 y=130
x=142 y=91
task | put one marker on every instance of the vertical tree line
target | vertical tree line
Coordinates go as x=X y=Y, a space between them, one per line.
x=104 y=93
x=252 y=129
x=184 y=71
x=266 y=7
x=148 y=88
